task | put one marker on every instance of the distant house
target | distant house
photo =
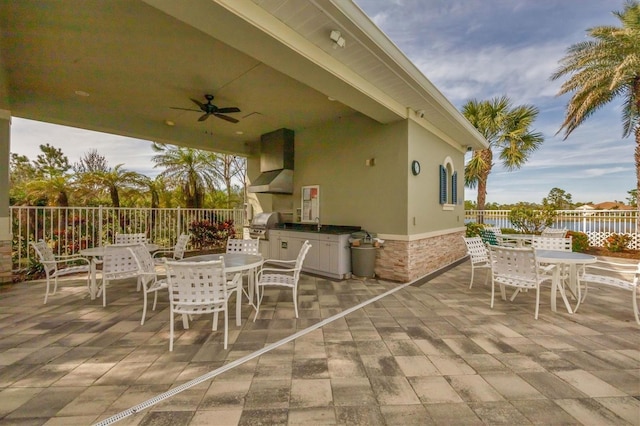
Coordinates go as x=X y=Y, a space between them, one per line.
x=612 y=205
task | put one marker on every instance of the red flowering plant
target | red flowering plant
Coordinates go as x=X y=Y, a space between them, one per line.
x=211 y=235
x=617 y=242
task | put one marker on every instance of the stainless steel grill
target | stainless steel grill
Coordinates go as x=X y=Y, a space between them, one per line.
x=261 y=224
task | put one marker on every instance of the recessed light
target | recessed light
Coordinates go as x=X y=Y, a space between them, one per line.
x=169 y=123
x=81 y=93
x=239 y=132
x=331 y=99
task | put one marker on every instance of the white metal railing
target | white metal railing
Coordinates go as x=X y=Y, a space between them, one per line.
x=70 y=229
x=597 y=224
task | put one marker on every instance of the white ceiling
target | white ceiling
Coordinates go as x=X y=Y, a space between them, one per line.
x=271 y=58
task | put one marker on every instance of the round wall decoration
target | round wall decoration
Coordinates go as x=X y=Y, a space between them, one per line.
x=415 y=167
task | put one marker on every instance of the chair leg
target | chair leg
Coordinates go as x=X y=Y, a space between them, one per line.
x=104 y=293
x=471 y=281
x=144 y=307
x=155 y=299
x=46 y=291
x=537 y=301
x=258 y=300
x=226 y=324
x=493 y=291
x=214 y=326
x=238 y=304
x=634 y=295
x=295 y=300
x=171 y=332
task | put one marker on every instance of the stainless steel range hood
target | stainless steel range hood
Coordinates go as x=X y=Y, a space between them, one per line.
x=276 y=163
x=274 y=182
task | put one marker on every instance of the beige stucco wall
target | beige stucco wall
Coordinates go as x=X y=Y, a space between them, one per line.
x=334 y=156
x=423 y=189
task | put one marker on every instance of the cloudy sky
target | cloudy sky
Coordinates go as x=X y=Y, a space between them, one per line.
x=470 y=49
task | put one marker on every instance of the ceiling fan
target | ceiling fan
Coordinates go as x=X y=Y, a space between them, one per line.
x=211 y=109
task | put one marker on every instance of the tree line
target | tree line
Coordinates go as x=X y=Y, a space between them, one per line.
x=190 y=178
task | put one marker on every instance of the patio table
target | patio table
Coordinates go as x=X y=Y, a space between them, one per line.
x=571 y=260
x=96 y=253
x=236 y=263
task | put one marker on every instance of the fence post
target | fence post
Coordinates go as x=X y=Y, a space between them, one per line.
x=100 y=226
x=179 y=221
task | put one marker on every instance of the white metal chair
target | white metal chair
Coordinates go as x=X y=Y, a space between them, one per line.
x=552 y=243
x=177 y=252
x=515 y=267
x=118 y=263
x=247 y=246
x=57 y=266
x=554 y=232
x=197 y=288
x=625 y=276
x=478 y=255
x=282 y=277
x=147 y=277
x=130 y=238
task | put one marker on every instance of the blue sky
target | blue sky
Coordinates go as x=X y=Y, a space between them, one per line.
x=470 y=49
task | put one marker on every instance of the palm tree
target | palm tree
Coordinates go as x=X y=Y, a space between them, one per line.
x=506 y=128
x=192 y=169
x=113 y=180
x=602 y=69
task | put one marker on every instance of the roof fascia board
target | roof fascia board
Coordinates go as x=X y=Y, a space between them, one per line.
x=380 y=45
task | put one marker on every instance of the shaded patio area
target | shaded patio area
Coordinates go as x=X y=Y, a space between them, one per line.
x=433 y=353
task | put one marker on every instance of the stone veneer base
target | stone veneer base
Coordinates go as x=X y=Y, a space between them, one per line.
x=405 y=261
x=6 y=265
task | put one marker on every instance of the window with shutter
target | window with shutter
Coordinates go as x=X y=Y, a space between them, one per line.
x=443 y=185
x=454 y=188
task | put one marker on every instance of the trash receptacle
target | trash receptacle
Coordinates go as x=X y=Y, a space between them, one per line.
x=363 y=260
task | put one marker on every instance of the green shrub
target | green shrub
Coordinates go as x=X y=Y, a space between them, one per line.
x=617 y=242
x=530 y=221
x=579 y=241
x=473 y=229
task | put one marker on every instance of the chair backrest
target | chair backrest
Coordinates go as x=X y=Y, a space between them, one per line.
x=554 y=232
x=145 y=261
x=301 y=255
x=181 y=246
x=196 y=283
x=510 y=264
x=495 y=230
x=476 y=249
x=131 y=238
x=552 y=243
x=119 y=262
x=249 y=246
x=45 y=255
x=488 y=236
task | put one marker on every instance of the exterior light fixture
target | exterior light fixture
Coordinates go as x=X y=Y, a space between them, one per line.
x=337 y=38
x=420 y=113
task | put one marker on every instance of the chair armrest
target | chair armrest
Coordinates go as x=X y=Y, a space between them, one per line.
x=279 y=270
x=162 y=251
x=71 y=258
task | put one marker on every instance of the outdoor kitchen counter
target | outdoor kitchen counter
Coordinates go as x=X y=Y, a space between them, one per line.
x=329 y=254
x=313 y=228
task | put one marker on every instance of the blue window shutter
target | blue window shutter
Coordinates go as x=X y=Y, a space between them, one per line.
x=443 y=185
x=454 y=188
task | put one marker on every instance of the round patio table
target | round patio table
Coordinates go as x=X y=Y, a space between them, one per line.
x=560 y=259
x=96 y=253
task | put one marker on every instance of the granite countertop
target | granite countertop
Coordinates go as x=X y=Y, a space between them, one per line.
x=312 y=227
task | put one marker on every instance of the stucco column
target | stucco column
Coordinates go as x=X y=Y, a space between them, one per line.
x=5 y=223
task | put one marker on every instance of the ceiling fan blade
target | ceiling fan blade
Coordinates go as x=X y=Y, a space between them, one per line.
x=225 y=117
x=185 y=109
x=228 y=110
x=200 y=104
x=203 y=117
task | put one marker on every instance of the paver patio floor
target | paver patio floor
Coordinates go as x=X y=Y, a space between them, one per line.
x=433 y=353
